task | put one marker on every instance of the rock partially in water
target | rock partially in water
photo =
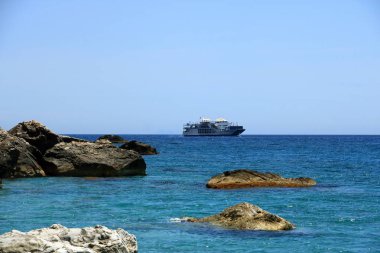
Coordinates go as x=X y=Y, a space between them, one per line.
x=30 y=149
x=251 y=178
x=112 y=138
x=57 y=238
x=18 y=158
x=245 y=216
x=139 y=147
x=87 y=159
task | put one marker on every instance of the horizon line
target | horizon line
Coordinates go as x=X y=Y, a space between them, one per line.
x=224 y=136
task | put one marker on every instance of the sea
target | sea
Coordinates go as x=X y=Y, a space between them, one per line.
x=340 y=214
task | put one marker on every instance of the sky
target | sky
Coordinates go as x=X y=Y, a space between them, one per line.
x=148 y=67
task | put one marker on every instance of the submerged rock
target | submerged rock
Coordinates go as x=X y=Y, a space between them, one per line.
x=112 y=138
x=251 y=178
x=18 y=158
x=139 y=147
x=57 y=238
x=92 y=160
x=245 y=216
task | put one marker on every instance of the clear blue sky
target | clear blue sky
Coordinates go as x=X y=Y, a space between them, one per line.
x=277 y=67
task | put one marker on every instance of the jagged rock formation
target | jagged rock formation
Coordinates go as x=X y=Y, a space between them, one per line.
x=247 y=217
x=18 y=158
x=251 y=178
x=57 y=238
x=30 y=150
x=36 y=134
x=139 y=147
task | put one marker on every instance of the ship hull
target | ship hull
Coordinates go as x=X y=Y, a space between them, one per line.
x=194 y=132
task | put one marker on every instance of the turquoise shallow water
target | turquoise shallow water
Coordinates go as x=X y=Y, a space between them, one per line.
x=341 y=214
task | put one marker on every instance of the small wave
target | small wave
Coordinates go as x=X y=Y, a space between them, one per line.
x=176 y=220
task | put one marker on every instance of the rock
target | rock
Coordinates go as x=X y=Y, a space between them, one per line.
x=103 y=141
x=139 y=147
x=57 y=238
x=112 y=138
x=36 y=134
x=18 y=158
x=251 y=178
x=68 y=139
x=245 y=216
x=31 y=149
x=39 y=135
x=92 y=160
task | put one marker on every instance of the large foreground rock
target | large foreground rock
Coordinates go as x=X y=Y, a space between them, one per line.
x=139 y=147
x=31 y=150
x=245 y=216
x=251 y=178
x=18 y=158
x=58 y=238
x=92 y=160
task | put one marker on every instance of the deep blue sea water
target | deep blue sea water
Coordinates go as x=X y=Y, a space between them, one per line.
x=340 y=214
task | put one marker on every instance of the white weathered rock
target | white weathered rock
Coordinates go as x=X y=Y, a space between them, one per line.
x=57 y=238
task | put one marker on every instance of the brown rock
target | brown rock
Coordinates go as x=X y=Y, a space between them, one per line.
x=103 y=141
x=39 y=135
x=36 y=135
x=251 y=178
x=247 y=217
x=68 y=139
x=31 y=149
x=139 y=147
x=18 y=158
x=89 y=159
x=112 y=138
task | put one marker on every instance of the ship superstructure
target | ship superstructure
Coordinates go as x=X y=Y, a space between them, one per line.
x=207 y=127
